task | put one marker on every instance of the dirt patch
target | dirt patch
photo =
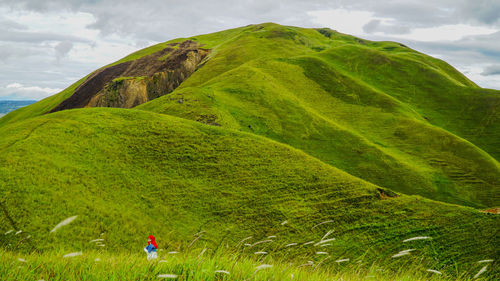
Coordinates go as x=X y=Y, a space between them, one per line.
x=385 y=194
x=182 y=61
x=495 y=211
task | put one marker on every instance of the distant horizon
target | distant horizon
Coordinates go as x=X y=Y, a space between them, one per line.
x=7 y=106
x=18 y=100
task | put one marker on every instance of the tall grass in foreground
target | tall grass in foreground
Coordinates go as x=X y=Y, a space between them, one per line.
x=123 y=266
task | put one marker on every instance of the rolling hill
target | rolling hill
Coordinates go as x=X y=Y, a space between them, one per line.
x=377 y=110
x=262 y=131
x=127 y=172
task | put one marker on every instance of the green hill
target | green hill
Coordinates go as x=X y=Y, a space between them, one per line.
x=261 y=131
x=129 y=172
x=377 y=110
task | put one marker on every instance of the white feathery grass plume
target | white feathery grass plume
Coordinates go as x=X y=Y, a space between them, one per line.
x=434 y=271
x=201 y=232
x=483 y=261
x=173 y=253
x=321 y=253
x=263 y=266
x=321 y=223
x=260 y=242
x=201 y=253
x=416 y=238
x=191 y=244
x=309 y=263
x=222 y=271
x=28 y=237
x=341 y=260
x=407 y=250
x=248 y=245
x=326 y=235
x=291 y=276
x=162 y=261
x=272 y=236
x=10 y=231
x=97 y=259
x=244 y=239
x=325 y=245
x=260 y=253
x=70 y=255
x=173 y=276
x=324 y=241
x=96 y=240
x=401 y=254
x=100 y=245
x=291 y=244
x=480 y=272
x=19 y=232
x=307 y=243
x=21 y=260
x=319 y=263
x=284 y=222
x=63 y=223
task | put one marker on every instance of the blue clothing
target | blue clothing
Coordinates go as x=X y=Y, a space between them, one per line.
x=151 y=248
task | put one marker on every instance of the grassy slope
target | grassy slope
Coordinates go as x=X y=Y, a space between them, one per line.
x=380 y=111
x=373 y=109
x=127 y=173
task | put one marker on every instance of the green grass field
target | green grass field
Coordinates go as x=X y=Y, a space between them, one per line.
x=204 y=266
x=128 y=172
x=287 y=135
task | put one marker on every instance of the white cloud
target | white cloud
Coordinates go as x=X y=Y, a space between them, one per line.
x=345 y=21
x=20 y=91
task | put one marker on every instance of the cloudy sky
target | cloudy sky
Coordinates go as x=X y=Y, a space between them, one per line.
x=46 y=45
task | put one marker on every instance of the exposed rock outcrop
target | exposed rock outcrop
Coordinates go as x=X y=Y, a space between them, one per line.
x=131 y=83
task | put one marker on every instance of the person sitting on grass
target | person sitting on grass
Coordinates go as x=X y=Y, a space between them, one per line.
x=151 y=248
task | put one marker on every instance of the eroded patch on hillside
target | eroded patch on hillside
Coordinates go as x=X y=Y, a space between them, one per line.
x=143 y=79
x=385 y=194
x=495 y=211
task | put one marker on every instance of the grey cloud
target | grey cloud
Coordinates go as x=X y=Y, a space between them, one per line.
x=372 y=26
x=159 y=20
x=11 y=51
x=491 y=70
x=63 y=48
x=12 y=25
x=36 y=37
x=378 y=26
x=480 y=11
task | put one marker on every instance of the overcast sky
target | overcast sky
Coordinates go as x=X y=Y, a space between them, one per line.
x=46 y=45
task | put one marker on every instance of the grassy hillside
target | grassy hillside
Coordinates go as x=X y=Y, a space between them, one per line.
x=129 y=173
x=378 y=110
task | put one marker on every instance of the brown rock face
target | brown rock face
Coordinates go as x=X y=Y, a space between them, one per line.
x=151 y=76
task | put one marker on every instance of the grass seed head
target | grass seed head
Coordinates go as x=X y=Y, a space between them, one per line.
x=172 y=276
x=63 y=223
x=417 y=238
